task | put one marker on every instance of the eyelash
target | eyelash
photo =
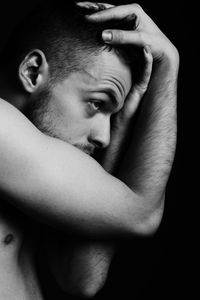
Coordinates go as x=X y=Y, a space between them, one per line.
x=93 y=104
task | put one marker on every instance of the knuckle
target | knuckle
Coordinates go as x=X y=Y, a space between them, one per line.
x=138 y=6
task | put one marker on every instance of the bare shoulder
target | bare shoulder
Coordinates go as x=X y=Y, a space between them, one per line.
x=13 y=121
x=8 y=117
x=4 y=103
x=19 y=138
x=7 y=109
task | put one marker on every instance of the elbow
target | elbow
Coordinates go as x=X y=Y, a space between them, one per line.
x=80 y=290
x=90 y=286
x=151 y=222
x=84 y=290
x=150 y=226
x=88 y=292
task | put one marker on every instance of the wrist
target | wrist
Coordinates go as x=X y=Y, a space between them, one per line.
x=169 y=61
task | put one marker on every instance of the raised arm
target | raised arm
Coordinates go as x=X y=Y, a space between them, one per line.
x=81 y=267
x=147 y=163
x=145 y=168
x=60 y=185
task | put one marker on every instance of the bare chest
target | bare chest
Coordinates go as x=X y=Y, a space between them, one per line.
x=11 y=231
x=18 y=279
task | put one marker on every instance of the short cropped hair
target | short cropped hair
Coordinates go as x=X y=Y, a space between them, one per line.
x=61 y=30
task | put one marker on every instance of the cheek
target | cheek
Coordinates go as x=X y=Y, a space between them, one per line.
x=74 y=125
x=67 y=110
x=72 y=122
x=73 y=118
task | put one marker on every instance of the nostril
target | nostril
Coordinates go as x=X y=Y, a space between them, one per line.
x=98 y=144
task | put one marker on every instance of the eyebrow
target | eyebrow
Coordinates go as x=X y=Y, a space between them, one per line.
x=109 y=91
x=112 y=96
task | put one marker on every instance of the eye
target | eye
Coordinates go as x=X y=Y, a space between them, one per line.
x=96 y=105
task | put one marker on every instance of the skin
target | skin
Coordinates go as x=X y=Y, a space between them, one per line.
x=94 y=274
x=83 y=266
x=136 y=205
x=79 y=108
x=78 y=112
x=83 y=104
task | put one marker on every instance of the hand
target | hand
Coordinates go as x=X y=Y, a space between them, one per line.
x=145 y=32
x=122 y=121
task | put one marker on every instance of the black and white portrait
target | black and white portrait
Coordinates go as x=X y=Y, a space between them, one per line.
x=97 y=106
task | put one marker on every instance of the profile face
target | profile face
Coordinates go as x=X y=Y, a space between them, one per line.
x=80 y=106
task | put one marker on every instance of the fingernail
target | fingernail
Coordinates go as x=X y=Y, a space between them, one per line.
x=107 y=36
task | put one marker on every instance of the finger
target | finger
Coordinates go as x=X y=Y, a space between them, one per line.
x=123 y=37
x=96 y=6
x=137 y=91
x=106 y=5
x=148 y=64
x=116 y=13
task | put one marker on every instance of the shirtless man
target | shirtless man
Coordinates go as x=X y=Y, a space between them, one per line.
x=45 y=178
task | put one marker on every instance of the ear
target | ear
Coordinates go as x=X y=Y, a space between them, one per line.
x=33 y=70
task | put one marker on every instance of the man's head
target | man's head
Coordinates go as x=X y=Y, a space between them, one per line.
x=73 y=82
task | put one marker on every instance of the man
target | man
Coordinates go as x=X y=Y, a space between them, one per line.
x=71 y=96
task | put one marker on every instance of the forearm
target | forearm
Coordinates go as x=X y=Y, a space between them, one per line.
x=80 y=267
x=51 y=180
x=147 y=165
x=89 y=267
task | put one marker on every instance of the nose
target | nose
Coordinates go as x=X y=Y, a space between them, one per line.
x=100 y=133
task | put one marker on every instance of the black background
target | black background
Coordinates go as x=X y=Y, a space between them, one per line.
x=165 y=266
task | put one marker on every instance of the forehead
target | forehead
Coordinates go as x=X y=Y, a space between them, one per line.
x=106 y=73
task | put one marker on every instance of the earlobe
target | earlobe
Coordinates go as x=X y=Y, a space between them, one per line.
x=33 y=70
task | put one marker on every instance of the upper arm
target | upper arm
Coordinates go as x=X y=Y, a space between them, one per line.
x=60 y=184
